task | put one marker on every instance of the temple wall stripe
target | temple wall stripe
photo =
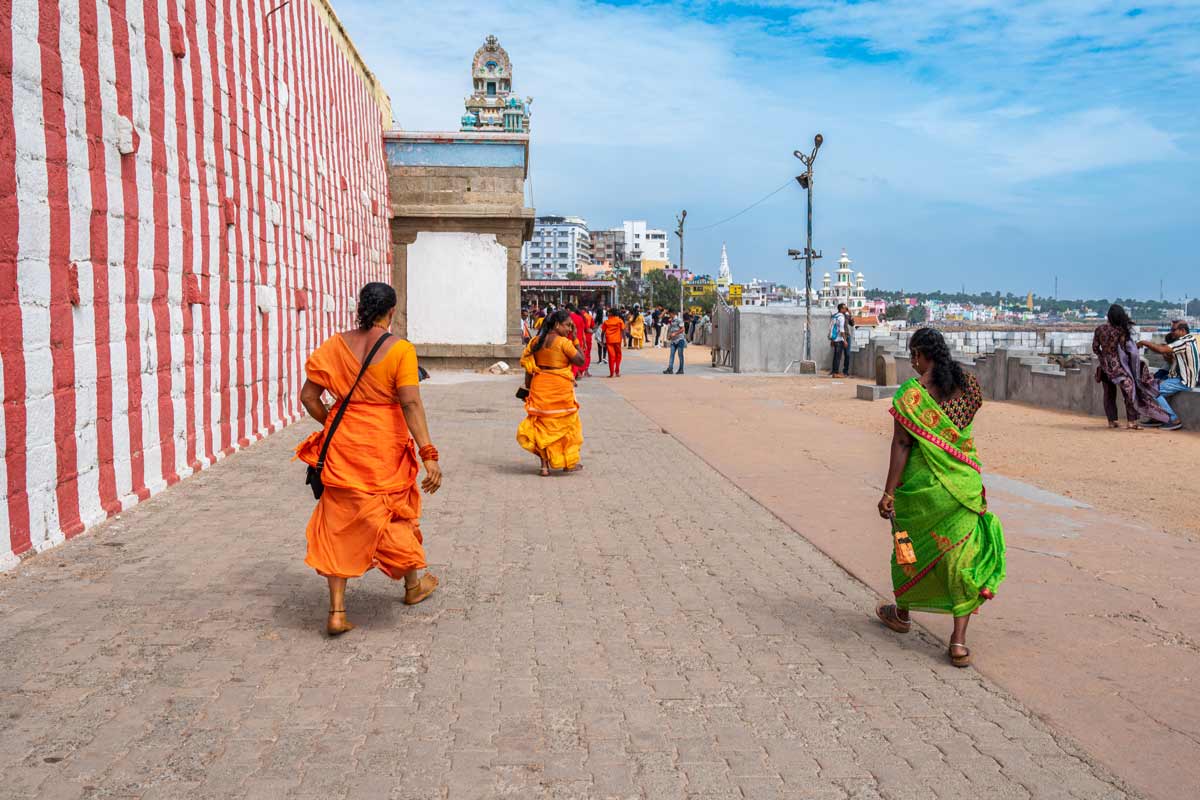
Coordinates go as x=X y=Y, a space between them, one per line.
x=190 y=196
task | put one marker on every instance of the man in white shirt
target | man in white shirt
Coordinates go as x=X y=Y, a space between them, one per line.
x=837 y=339
x=1183 y=352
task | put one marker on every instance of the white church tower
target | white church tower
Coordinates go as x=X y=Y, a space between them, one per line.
x=724 y=278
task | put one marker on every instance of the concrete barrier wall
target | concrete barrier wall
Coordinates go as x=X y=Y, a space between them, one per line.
x=1018 y=376
x=767 y=338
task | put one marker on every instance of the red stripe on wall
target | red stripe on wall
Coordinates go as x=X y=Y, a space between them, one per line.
x=11 y=339
x=62 y=326
x=221 y=115
x=214 y=441
x=261 y=328
x=161 y=256
x=187 y=241
x=129 y=194
x=236 y=348
x=89 y=61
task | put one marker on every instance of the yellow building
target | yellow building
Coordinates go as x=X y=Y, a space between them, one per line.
x=651 y=264
x=735 y=294
x=696 y=289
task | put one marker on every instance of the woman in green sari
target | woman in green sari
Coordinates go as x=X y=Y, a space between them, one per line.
x=934 y=492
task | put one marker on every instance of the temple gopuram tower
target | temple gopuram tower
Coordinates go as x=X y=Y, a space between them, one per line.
x=492 y=106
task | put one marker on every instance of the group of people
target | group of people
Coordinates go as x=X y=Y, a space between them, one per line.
x=610 y=330
x=557 y=354
x=365 y=462
x=1120 y=368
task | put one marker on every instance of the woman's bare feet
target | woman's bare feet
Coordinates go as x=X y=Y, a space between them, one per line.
x=416 y=592
x=338 y=624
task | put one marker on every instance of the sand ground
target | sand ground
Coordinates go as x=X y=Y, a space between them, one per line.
x=1140 y=475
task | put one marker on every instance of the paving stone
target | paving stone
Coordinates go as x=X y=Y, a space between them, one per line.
x=596 y=635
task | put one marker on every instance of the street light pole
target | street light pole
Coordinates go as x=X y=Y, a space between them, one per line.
x=681 y=218
x=805 y=180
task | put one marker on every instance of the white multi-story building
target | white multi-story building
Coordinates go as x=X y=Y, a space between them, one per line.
x=645 y=244
x=848 y=288
x=560 y=246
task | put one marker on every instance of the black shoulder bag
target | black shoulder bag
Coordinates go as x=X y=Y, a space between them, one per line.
x=313 y=478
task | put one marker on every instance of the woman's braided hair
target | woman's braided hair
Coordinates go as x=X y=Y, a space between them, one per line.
x=374 y=300
x=947 y=375
x=557 y=318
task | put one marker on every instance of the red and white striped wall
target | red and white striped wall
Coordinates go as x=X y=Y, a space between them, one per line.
x=191 y=193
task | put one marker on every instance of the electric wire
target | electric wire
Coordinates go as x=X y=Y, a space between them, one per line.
x=747 y=208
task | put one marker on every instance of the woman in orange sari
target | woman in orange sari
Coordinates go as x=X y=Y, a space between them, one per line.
x=369 y=513
x=551 y=429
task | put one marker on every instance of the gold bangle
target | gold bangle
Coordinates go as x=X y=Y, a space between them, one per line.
x=888 y=496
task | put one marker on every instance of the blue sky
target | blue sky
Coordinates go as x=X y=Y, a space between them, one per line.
x=967 y=143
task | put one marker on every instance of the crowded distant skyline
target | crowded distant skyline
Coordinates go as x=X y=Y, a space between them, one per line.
x=991 y=147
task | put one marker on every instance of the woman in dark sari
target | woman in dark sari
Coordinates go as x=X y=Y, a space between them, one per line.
x=1121 y=366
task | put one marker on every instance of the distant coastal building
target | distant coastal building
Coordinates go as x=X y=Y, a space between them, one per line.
x=646 y=249
x=609 y=247
x=724 y=276
x=633 y=248
x=560 y=246
x=848 y=288
x=492 y=106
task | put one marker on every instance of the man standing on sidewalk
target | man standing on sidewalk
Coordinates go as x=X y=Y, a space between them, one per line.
x=613 y=328
x=837 y=339
x=677 y=339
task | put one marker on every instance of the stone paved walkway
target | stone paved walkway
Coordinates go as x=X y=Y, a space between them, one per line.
x=622 y=633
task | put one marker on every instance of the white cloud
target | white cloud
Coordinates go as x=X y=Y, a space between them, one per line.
x=997 y=108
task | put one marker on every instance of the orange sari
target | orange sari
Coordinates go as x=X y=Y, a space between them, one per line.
x=551 y=428
x=369 y=515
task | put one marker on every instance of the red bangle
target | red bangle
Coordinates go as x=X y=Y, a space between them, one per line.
x=428 y=453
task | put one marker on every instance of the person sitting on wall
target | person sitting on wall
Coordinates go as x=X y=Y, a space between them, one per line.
x=1184 y=375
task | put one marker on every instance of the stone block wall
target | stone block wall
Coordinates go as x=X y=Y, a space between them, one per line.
x=1015 y=376
x=191 y=194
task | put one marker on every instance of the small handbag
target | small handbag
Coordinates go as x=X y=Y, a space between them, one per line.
x=313 y=475
x=904 y=546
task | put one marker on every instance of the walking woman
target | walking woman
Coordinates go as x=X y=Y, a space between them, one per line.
x=934 y=492
x=637 y=330
x=369 y=513
x=1121 y=366
x=551 y=429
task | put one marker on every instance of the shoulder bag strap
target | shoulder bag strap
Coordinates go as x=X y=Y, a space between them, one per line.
x=337 y=419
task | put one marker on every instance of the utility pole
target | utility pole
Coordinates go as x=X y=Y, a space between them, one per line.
x=805 y=181
x=681 y=218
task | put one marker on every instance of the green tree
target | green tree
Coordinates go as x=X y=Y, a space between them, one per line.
x=705 y=301
x=1193 y=307
x=918 y=315
x=663 y=287
x=896 y=311
x=574 y=276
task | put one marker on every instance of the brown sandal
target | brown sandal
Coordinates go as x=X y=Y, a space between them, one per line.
x=960 y=661
x=420 y=590
x=889 y=615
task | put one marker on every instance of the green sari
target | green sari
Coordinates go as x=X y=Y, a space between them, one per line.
x=942 y=505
